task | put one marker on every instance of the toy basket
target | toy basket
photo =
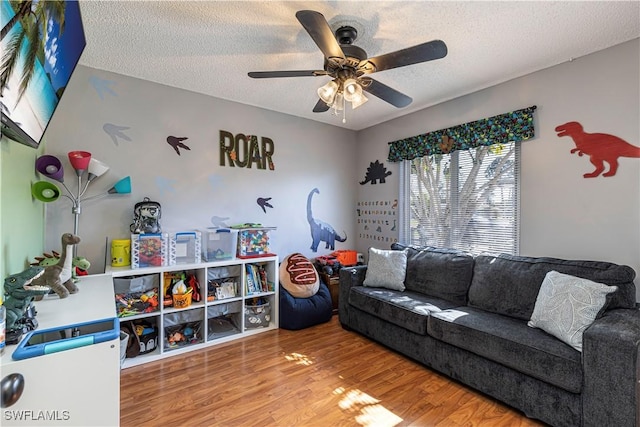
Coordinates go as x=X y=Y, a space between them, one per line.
x=257 y=316
x=182 y=300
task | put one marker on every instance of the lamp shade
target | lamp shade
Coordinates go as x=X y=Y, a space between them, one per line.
x=79 y=160
x=96 y=169
x=51 y=167
x=352 y=90
x=328 y=92
x=338 y=102
x=121 y=187
x=45 y=191
x=358 y=101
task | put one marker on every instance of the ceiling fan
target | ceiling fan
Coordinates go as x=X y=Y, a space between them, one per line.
x=349 y=67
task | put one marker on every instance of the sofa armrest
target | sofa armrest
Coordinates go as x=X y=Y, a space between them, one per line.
x=611 y=364
x=349 y=277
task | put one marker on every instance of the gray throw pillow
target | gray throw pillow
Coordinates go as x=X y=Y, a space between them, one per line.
x=566 y=306
x=386 y=269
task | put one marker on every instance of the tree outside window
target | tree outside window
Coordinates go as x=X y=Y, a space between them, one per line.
x=467 y=199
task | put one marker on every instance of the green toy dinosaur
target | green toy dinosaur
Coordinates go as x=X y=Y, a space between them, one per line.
x=19 y=292
x=80 y=264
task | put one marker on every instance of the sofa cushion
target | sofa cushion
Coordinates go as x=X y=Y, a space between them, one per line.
x=567 y=305
x=406 y=309
x=509 y=284
x=510 y=342
x=386 y=269
x=440 y=273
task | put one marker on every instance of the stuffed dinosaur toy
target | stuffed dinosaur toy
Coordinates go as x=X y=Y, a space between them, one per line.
x=58 y=276
x=80 y=264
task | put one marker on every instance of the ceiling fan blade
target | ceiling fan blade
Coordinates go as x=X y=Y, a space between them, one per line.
x=320 y=107
x=294 y=73
x=384 y=92
x=319 y=30
x=424 y=52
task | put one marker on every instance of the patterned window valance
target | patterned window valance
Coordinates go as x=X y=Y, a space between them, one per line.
x=508 y=127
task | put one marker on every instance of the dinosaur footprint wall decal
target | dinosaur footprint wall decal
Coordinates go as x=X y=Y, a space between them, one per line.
x=600 y=147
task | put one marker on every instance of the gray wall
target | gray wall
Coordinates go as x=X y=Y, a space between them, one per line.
x=192 y=187
x=562 y=214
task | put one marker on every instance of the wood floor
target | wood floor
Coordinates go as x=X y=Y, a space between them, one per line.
x=321 y=376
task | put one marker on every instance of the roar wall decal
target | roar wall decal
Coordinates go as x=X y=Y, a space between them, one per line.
x=600 y=147
x=376 y=171
x=264 y=203
x=321 y=231
x=102 y=86
x=243 y=151
x=115 y=132
x=176 y=143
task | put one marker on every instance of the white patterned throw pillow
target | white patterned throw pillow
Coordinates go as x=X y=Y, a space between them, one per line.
x=566 y=306
x=386 y=269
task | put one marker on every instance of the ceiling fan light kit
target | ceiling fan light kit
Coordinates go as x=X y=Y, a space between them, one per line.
x=348 y=65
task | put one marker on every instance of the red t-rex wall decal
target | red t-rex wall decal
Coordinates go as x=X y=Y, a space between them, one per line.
x=600 y=147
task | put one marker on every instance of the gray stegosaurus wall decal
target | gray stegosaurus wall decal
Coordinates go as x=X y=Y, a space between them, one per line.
x=376 y=171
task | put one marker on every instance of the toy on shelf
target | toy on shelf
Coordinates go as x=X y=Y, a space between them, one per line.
x=59 y=277
x=19 y=292
x=132 y=303
x=80 y=264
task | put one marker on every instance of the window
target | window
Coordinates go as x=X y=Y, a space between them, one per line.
x=467 y=199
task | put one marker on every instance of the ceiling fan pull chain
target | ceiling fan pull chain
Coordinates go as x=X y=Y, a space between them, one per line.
x=344 y=110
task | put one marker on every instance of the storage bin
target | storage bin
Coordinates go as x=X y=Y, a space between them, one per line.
x=219 y=243
x=136 y=295
x=257 y=316
x=142 y=333
x=185 y=247
x=254 y=242
x=224 y=319
x=149 y=250
x=182 y=329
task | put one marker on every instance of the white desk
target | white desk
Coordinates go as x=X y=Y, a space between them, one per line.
x=78 y=387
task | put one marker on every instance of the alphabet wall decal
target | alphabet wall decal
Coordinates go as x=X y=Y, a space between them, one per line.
x=176 y=143
x=600 y=147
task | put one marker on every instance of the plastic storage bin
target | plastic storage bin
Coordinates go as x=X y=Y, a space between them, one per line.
x=254 y=242
x=185 y=247
x=219 y=244
x=149 y=250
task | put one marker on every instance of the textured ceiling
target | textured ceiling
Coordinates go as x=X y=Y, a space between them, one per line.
x=209 y=46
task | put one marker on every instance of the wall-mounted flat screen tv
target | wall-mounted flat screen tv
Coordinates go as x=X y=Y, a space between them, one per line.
x=41 y=44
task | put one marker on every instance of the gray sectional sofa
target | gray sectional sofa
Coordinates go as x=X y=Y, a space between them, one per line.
x=466 y=317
